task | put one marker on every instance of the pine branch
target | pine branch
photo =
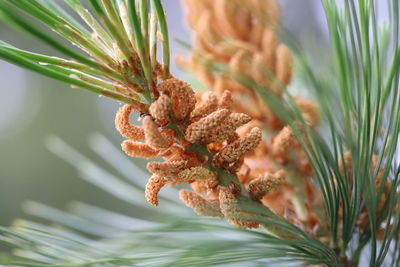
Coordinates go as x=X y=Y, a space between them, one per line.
x=354 y=165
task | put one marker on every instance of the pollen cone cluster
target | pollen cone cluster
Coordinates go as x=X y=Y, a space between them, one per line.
x=244 y=35
x=177 y=126
x=226 y=143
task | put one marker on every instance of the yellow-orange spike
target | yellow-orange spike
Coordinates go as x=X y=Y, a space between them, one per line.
x=264 y=184
x=266 y=11
x=197 y=130
x=160 y=109
x=269 y=48
x=135 y=149
x=230 y=209
x=241 y=62
x=235 y=150
x=193 y=7
x=153 y=187
x=205 y=30
x=200 y=205
x=284 y=64
x=124 y=127
x=262 y=72
x=243 y=22
x=197 y=173
x=310 y=111
x=181 y=95
x=153 y=136
x=227 y=129
x=283 y=141
x=199 y=187
x=208 y=105
x=223 y=11
x=167 y=169
x=226 y=100
x=256 y=34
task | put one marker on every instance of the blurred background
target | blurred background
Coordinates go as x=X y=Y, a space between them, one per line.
x=32 y=108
